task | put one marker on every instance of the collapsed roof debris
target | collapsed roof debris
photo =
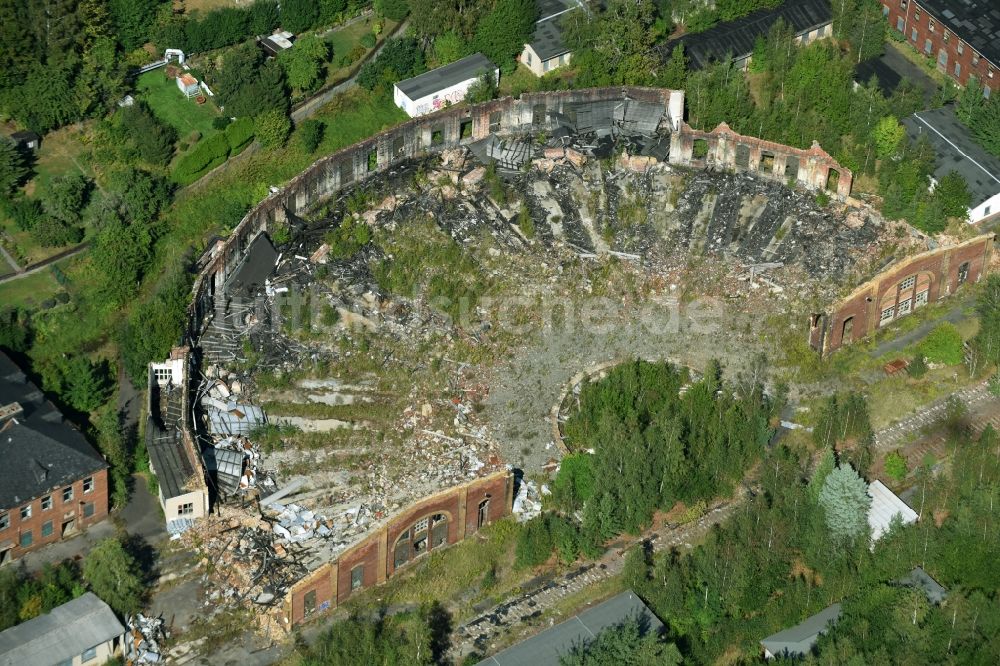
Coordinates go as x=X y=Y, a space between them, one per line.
x=359 y=426
x=143 y=640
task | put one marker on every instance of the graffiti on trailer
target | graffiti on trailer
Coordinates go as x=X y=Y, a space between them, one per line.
x=441 y=102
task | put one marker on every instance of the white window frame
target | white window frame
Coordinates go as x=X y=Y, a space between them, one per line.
x=908 y=283
x=88 y=484
x=67 y=494
x=26 y=512
x=185 y=509
x=47 y=503
x=4 y=521
x=887 y=314
x=904 y=307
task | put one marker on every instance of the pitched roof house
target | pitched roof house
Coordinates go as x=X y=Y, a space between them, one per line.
x=547 y=51
x=52 y=483
x=798 y=641
x=81 y=632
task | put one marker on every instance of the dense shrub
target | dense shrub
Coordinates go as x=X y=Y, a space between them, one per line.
x=943 y=345
x=208 y=154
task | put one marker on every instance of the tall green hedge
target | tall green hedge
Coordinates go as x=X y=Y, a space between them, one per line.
x=208 y=154
x=239 y=133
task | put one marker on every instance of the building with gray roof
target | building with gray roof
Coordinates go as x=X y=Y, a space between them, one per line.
x=957 y=150
x=82 y=631
x=546 y=648
x=798 y=641
x=919 y=579
x=808 y=19
x=546 y=51
x=443 y=86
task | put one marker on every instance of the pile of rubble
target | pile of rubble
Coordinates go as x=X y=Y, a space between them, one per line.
x=247 y=565
x=143 y=638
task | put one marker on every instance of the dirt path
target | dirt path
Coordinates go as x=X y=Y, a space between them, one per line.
x=900 y=432
x=34 y=268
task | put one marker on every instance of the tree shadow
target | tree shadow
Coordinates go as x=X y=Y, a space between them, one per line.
x=440 y=624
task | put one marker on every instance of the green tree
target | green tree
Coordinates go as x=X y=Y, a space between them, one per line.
x=845 y=501
x=895 y=466
x=502 y=33
x=111 y=443
x=534 y=543
x=142 y=195
x=826 y=464
x=625 y=644
x=153 y=139
x=674 y=73
x=986 y=125
x=271 y=128
x=305 y=64
x=615 y=46
x=483 y=89
x=970 y=101
x=154 y=325
x=888 y=134
x=12 y=167
x=119 y=255
x=114 y=576
x=133 y=20
x=310 y=134
x=66 y=197
x=395 y=10
x=53 y=232
x=449 y=47
x=87 y=385
x=299 y=15
x=399 y=58
x=943 y=345
x=988 y=309
x=953 y=194
x=264 y=17
x=574 y=484
x=248 y=86
x=399 y=640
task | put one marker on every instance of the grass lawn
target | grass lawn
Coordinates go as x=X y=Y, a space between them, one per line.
x=173 y=108
x=31 y=290
x=61 y=152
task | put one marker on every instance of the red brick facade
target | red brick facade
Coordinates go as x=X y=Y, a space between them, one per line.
x=900 y=290
x=62 y=518
x=926 y=32
x=451 y=516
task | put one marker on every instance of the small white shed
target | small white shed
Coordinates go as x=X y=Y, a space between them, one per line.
x=440 y=87
x=187 y=85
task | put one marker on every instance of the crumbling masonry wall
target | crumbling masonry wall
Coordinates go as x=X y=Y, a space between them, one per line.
x=371 y=561
x=727 y=149
x=898 y=291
